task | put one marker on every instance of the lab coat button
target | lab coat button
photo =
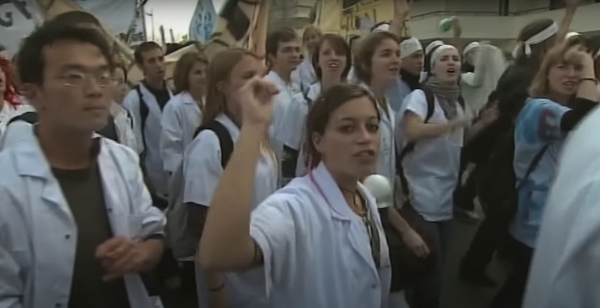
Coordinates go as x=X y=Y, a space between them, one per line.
x=110 y=210
x=374 y=286
x=67 y=236
x=57 y=305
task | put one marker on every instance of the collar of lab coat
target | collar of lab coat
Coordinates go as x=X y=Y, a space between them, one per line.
x=30 y=157
x=314 y=91
x=330 y=191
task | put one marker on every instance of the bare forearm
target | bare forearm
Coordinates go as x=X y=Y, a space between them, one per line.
x=153 y=249
x=226 y=243
x=397 y=221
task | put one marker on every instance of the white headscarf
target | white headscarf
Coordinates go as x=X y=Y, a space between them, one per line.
x=536 y=39
x=433 y=45
x=410 y=46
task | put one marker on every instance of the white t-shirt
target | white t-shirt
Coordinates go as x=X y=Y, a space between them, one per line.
x=432 y=168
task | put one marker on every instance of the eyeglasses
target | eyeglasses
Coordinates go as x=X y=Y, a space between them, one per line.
x=80 y=79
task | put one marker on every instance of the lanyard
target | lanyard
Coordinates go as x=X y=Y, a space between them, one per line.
x=372 y=233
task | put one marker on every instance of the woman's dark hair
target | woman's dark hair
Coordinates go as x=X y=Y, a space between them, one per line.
x=320 y=113
x=340 y=47
x=365 y=52
x=31 y=58
x=538 y=51
x=352 y=39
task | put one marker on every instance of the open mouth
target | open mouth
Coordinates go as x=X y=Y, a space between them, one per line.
x=451 y=71
x=365 y=154
x=333 y=65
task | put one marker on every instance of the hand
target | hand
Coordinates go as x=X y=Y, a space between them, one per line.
x=577 y=54
x=120 y=256
x=256 y=100
x=415 y=243
x=489 y=115
x=456 y=26
x=402 y=9
x=461 y=121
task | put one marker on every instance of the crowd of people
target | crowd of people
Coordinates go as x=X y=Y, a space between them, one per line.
x=245 y=182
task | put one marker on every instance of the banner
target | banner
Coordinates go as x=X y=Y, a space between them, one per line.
x=116 y=16
x=138 y=34
x=203 y=21
x=17 y=20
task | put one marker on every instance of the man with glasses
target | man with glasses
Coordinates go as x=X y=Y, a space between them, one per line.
x=77 y=227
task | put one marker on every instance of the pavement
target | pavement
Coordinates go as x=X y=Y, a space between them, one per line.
x=457 y=294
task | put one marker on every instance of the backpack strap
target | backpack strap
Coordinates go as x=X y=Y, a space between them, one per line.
x=533 y=165
x=143 y=112
x=410 y=146
x=110 y=130
x=30 y=117
x=225 y=141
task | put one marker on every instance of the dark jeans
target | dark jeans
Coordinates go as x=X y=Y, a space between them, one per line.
x=491 y=235
x=513 y=290
x=426 y=292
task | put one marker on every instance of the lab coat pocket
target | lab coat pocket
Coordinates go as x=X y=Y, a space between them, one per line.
x=135 y=225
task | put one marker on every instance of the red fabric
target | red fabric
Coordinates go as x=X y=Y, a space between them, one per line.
x=10 y=93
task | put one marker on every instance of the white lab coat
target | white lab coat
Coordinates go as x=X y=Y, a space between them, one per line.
x=149 y=140
x=202 y=171
x=306 y=73
x=281 y=102
x=432 y=168
x=124 y=124
x=316 y=250
x=9 y=111
x=180 y=119
x=566 y=262
x=38 y=235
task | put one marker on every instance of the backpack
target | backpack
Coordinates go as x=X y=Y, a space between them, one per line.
x=497 y=186
x=180 y=237
x=109 y=131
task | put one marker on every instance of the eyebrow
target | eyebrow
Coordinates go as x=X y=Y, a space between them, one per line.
x=80 y=67
x=354 y=118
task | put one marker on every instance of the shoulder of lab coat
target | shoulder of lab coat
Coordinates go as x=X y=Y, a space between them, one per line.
x=171 y=138
x=13 y=287
x=202 y=168
x=15 y=133
x=132 y=103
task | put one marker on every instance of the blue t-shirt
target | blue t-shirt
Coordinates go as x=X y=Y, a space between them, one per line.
x=538 y=125
x=396 y=94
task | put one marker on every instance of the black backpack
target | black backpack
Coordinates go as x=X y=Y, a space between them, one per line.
x=225 y=141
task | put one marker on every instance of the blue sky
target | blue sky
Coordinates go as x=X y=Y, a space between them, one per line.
x=175 y=14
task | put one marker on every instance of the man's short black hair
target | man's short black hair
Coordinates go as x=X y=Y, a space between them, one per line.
x=77 y=18
x=284 y=35
x=31 y=61
x=143 y=47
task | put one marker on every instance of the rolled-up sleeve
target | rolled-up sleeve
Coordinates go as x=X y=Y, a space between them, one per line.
x=11 y=284
x=274 y=230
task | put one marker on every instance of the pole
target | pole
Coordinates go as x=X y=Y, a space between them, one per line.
x=152 y=25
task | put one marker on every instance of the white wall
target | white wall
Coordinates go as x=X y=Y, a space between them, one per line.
x=504 y=27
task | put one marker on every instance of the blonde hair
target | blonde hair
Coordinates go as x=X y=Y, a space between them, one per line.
x=181 y=73
x=310 y=30
x=540 y=86
x=219 y=70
